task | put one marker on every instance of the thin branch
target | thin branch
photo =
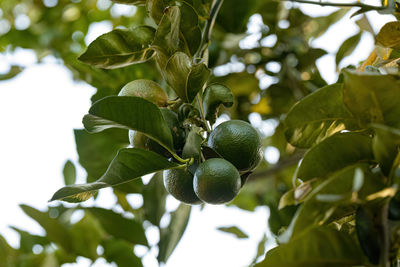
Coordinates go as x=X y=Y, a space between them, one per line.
x=364 y=6
x=283 y=164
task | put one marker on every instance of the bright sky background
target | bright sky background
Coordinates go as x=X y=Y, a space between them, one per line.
x=39 y=110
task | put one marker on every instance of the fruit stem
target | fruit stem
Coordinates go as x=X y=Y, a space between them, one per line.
x=203 y=117
x=209 y=24
x=179 y=158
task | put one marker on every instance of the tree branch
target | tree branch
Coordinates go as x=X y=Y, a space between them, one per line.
x=364 y=6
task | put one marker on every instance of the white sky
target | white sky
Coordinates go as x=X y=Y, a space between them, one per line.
x=39 y=110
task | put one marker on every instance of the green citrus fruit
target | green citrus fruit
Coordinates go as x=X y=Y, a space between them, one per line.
x=146 y=89
x=238 y=142
x=140 y=140
x=216 y=181
x=179 y=183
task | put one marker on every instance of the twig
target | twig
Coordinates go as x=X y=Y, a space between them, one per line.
x=365 y=6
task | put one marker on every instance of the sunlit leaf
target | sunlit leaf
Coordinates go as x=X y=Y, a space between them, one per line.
x=214 y=96
x=318 y=116
x=120 y=48
x=128 y=164
x=233 y=230
x=389 y=35
x=347 y=47
x=69 y=173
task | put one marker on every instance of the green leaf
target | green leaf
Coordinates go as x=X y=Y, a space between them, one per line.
x=56 y=232
x=96 y=151
x=131 y=2
x=332 y=199
x=189 y=26
x=14 y=71
x=214 y=96
x=166 y=40
x=320 y=246
x=192 y=148
x=120 y=252
x=69 y=173
x=86 y=236
x=154 y=195
x=120 y=48
x=8 y=255
x=347 y=47
x=372 y=97
x=389 y=35
x=128 y=164
x=28 y=240
x=170 y=236
x=129 y=112
x=260 y=249
x=233 y=230
x=385 y=144
x=185 y=78
x=120 y=227
x=335 y=153
x=317 y=116
x=156 y=8
x=367 y=234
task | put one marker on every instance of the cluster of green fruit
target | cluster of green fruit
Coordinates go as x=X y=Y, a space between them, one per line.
x=215 y=180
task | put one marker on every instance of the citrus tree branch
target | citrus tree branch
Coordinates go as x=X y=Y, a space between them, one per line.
x=356 y=4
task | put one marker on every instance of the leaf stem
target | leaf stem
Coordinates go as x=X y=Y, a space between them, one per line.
x=209 y=24
x=365 y=6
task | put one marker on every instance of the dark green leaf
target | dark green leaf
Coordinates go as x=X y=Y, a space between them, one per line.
x=372 y=97
x=368 y=235
x=56 y=232
x=120 y=48
x=69 y=173
x=8 y=255
x=86 y=236
x=234 y=15
x=154 y=195
x=389 y=35
x=129 y=112
x=166 y=39
x=234 y=230
x=156 y=8
x=385 y=145
x=118 y=226
x=96 y=151
x=170 y=236
x=215 y=95
x=192 y=148
x=128 y=164
x=120 y=252
x=318 y=116
x=185 y=78
x=320 y=246
x=347 y=47
x=334 y=153
x=189 y=26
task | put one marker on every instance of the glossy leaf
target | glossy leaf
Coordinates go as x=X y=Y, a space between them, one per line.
x=189 y=26
x=185 y=78
x=389 y=35
x=156 y=8
x=385 y=144
x=319 y=246
x=317 y=116
x=332 y=199
x=56 y=232
x=330 y=155
x=214 y=96
x=347 y=47
x=120 y=252
x=120 y=48
x=69 y=173
x=129 y=112
x=372 y=97
x=154 y=195
x=234 y=230
x=119 y=226
x=128 y=164
x=170 y=236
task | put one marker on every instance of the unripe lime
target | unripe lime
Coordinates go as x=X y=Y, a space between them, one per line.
x=146 y=89
x=238 y=142
x=216 y=181
x=179 y=183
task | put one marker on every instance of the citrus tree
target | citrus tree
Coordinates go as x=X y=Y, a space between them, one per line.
x=165 y=73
